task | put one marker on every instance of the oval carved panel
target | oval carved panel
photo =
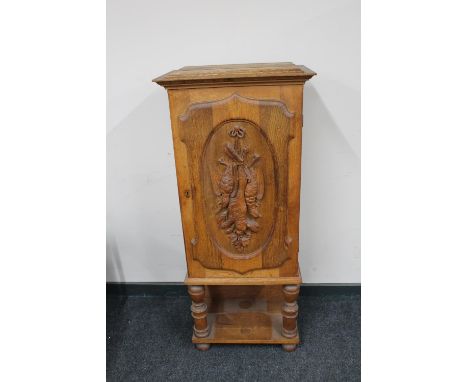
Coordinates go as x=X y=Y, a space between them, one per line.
x=239 y=178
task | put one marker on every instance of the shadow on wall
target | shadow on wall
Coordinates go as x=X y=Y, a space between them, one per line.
x=144 y=238
x=330 y=191
x=114 y=269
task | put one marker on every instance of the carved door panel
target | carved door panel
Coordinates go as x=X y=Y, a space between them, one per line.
x=237 y=149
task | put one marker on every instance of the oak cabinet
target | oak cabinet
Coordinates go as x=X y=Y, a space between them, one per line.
x=237 y=143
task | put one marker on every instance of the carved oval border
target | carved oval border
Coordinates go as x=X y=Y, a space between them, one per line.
x=242 y=256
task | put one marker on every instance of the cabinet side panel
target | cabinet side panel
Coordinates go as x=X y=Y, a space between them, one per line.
x=178 y=101
x=292 y=96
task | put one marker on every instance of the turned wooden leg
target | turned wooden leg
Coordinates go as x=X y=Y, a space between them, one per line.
x=289 y=312
x=199 y=314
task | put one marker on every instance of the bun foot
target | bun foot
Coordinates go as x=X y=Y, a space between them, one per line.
x=202 y=347
x=289 y=347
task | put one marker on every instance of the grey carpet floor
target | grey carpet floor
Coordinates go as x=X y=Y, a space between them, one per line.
x=149 y=339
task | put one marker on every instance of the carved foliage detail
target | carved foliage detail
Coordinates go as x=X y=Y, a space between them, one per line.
x=239 y=189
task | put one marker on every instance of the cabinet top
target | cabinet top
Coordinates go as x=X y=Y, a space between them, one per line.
x=235 y=74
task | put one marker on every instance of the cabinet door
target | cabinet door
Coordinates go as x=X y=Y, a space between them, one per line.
x=237 y=154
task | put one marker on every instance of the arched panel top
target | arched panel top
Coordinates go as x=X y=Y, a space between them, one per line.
x=233 y=100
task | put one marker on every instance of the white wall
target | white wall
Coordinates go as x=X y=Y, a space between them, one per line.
x=147 y=38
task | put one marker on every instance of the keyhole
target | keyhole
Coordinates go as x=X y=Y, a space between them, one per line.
x=187 y=193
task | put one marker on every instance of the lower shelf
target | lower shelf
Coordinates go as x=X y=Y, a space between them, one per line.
x=247 y=315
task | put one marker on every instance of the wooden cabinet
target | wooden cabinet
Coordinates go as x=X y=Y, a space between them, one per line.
x=237 y=143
